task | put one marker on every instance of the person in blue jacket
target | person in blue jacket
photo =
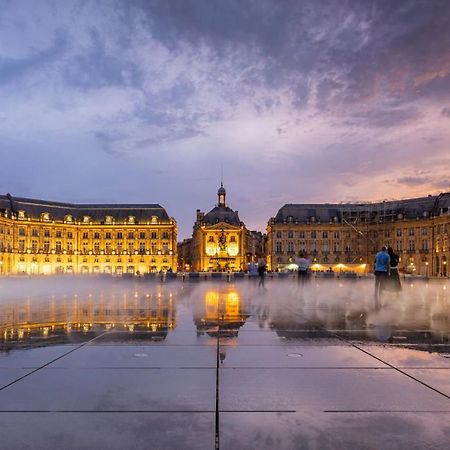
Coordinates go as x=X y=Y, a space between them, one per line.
x=382 y=261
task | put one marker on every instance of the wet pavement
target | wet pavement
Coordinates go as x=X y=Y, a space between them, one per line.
x=91 y=363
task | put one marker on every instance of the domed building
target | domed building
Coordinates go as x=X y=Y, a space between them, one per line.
x=219 y=239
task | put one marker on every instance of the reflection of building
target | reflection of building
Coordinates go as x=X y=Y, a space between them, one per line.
x=219 y=240
x=42 y=237
x=220 y=309
x=34 y=322
x=347 y=236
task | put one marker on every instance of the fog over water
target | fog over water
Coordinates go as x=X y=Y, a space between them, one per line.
x=345 y=307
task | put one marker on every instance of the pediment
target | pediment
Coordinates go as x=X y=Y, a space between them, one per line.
x=221 y=226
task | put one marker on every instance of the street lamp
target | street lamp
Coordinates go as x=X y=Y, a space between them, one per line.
x=426 y=264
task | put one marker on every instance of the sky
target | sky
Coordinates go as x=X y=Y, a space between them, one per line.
x=145 y=101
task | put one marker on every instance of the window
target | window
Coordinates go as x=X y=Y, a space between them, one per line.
x=232 y=238
x=279 y=247
x=108 y=247
x=46 y=246
x=290 y=247
x=21 y=245
x=399 y=232
x=290 y=234
x=108 y=235
x=279 y=234
x=85 y=247
x=336 y=234
x=58 y=247
x=411 y=246
x=141 y=247
x=313 y=235
x=119 y=247
x=85 y=235
x=153 y=247
x=119 y=235
x=96 y=247
x=69 y=247
x=96 y=235
x=35 y=232
x=154 y=235
x=58 y=233
x=131 y=247
x=425 y=245
x=411 y=232
x=21 y=231
x=211 y=239
x=301 y=234
x=46 y=233
x=69 y=235
x=34 y=246
x=398 y=246
x=142 y=235
x=165 y=235
x=325 y=235
x=165 y=247
x=130 y=235
x=424 y=232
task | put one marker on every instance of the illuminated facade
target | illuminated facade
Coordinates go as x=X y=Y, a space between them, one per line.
x=42 y=237
x=219 y=240
x=347 y=236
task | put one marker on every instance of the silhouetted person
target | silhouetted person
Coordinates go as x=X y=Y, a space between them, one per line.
x=303 y=266
x=381 y=273
x=394 y=279
x=261 y=271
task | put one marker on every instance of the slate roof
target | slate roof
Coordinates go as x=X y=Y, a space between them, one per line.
x=221 y=214
x=97 y=212
x=326 y=212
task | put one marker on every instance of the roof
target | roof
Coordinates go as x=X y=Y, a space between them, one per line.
x=221 y=214
x=96 y=211
x=326 y=212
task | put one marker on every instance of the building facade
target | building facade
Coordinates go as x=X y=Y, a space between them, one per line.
x=219 y=239
x=347 y=236
x=43 y=237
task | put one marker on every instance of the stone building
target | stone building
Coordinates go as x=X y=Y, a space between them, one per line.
x=45 y=237
x=347 y=236
x=219 y=239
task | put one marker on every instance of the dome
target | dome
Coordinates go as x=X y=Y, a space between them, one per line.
x=221 y=190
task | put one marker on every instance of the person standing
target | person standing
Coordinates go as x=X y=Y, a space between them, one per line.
x=261 y=271
x=303 y=266
x=394 y=279
x=382 y=260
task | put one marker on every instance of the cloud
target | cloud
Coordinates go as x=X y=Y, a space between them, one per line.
x=300 y=101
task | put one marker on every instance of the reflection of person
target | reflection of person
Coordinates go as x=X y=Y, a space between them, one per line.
x=261 y=271
x=394 y=279
x=381 y=273
x=303 y=266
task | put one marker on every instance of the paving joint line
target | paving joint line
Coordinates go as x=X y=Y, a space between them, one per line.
x=50 y=362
